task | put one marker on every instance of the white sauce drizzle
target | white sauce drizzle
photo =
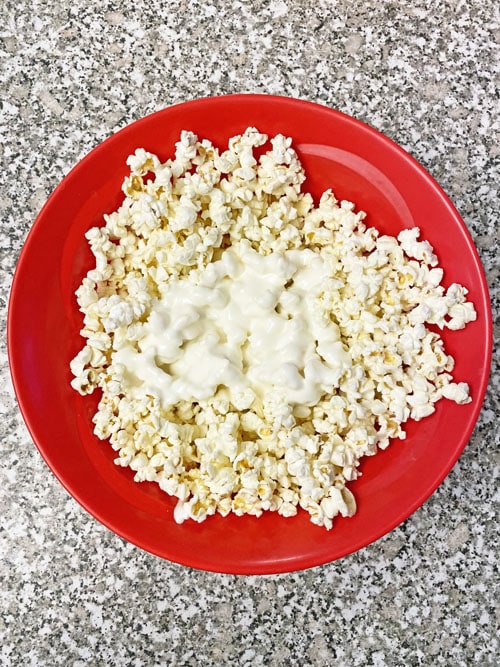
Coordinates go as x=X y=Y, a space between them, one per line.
x=248 y=322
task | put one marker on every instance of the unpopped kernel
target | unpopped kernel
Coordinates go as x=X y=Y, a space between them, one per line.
x=251 y=347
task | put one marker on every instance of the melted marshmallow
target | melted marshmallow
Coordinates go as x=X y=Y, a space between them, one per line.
x=248 y=322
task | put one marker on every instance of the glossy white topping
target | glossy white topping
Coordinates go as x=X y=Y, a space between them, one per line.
x=248 y=322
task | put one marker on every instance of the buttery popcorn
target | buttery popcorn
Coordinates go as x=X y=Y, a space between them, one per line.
x=251 y=347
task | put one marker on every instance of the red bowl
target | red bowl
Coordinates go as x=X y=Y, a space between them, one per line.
x=359 y=164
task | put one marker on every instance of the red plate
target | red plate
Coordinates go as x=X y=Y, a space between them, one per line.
x=361 y=165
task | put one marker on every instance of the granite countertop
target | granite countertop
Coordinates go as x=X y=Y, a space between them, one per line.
x=424 y=73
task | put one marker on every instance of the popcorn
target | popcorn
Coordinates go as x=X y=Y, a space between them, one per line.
x=250 y=346
x=457 y=392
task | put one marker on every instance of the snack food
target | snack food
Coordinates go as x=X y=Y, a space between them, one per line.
x=251 y=347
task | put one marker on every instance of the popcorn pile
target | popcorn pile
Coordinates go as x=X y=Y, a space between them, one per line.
x=251 y=346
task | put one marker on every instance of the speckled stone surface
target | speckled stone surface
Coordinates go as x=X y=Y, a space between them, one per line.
x=423 y=72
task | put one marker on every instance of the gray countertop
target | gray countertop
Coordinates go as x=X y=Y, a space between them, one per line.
x=426 y=74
